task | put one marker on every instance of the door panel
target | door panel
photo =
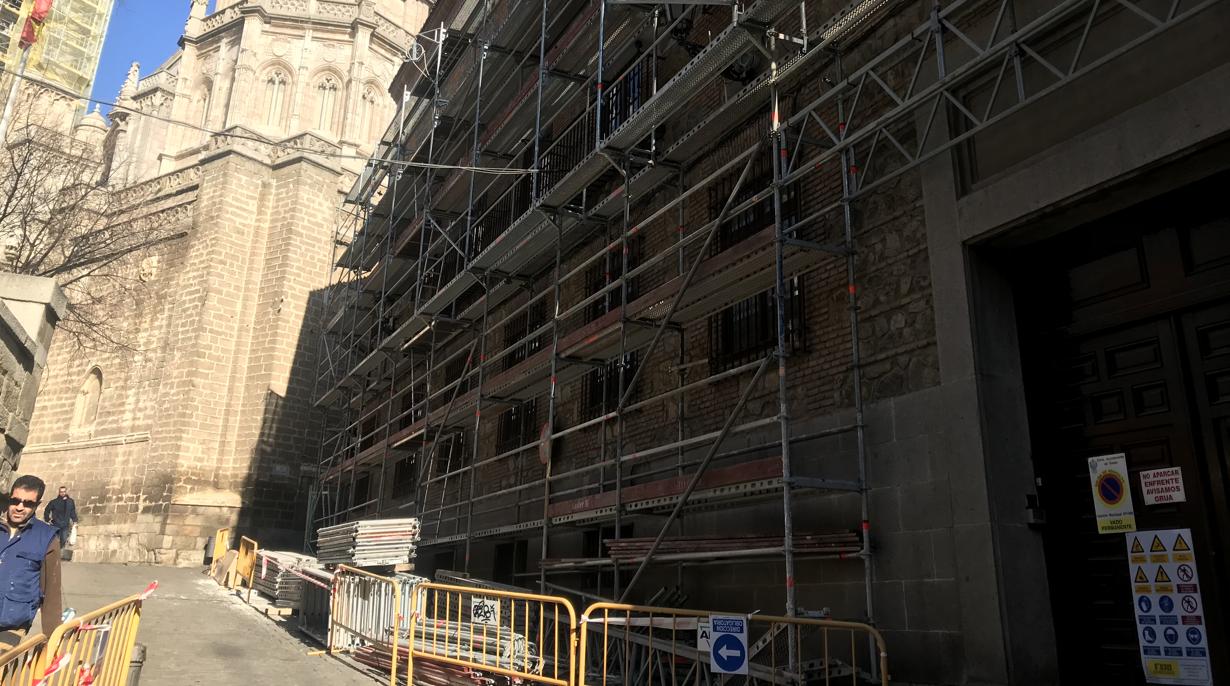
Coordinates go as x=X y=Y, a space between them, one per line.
x=1125 y=340
x=1118 y=392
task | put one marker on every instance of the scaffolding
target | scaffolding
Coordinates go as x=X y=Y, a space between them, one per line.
x=602 y=159
x=68 y=50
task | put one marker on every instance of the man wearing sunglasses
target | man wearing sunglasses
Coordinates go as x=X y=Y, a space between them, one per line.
x=29 y=565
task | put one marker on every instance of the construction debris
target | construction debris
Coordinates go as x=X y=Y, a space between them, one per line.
x=372 y=543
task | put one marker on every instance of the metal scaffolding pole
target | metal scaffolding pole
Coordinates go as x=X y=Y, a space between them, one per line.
x=777 y=155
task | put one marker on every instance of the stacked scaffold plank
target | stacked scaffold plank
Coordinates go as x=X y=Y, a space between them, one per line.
x=275 y=577
x=370 y=543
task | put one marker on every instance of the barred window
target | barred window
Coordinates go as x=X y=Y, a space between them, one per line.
x=403 y=477
x=609 y=270
x=600 y=391
x=451 y=453
x=517 y=426
x=747 y=330
x=529 y=320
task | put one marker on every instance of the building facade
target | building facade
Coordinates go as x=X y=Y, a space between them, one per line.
x=859 y=289
x=255 y=127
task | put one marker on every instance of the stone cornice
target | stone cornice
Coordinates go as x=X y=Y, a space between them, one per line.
x=327 y=12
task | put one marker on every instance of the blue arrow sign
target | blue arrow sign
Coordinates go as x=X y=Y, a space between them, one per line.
x=729 y=654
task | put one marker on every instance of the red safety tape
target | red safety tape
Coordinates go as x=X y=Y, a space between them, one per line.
x=149 y=590
x=85 y=675
x=852 y=289
x=789 y=582
x=60 y=663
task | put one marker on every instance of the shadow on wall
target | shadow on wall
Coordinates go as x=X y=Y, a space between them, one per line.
x=283 y=461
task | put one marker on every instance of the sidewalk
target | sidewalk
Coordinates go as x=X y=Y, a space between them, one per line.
x=195 y=633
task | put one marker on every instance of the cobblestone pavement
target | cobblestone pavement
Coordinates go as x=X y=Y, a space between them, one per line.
x=195 y=632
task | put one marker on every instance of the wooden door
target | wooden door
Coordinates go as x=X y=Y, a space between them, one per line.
x=1125 y=330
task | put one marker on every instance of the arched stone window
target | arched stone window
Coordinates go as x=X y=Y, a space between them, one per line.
x=368 y=108
x=277 y=89
x=201 y=104
x=326 y=98
x=85 y=411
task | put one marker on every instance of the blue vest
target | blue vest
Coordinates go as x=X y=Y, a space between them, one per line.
x=21 y=566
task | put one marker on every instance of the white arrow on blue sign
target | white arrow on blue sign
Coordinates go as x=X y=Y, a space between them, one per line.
x=729 y=640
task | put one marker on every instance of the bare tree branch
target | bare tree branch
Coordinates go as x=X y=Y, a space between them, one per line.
x=57 y=220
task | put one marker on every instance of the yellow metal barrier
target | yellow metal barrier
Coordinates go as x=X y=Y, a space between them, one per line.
x=366 y=609
x=98 y=643
x=245 y=564
x=624 y=644
x=518 y=635
x=18 y=665
x=222 y=542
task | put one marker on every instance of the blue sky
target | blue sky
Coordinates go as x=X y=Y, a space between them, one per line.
x=141 y=30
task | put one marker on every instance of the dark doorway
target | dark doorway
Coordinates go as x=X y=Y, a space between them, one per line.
x=1125 y=328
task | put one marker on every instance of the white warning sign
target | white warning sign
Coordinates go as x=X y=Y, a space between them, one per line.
x=704 y=635
x=1170 y=626
x=1163 y=486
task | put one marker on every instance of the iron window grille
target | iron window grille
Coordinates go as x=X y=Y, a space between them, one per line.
x=600 y=387
x=609 y=270
x=517 y=426
x=529 y=320
x=747 y=330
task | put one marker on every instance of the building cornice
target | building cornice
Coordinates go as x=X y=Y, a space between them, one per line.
x=340 y=15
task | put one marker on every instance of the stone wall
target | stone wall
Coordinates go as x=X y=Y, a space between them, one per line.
x=208 y=423
x=30 y=307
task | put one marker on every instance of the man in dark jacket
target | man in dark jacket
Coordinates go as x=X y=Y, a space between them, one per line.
x=61 y=513
x=29 y=565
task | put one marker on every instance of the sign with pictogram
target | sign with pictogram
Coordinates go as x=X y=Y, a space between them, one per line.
x=1169 y=612
x=728 y=654
x=1163 y=486
x=1112 y=497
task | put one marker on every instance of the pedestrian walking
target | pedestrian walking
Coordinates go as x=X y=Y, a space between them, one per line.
x=61 y=514
x=29 y=565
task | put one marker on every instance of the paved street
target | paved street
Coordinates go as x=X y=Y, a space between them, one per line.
x=195 y=632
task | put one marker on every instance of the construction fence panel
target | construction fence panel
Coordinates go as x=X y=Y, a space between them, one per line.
x=245 y=564
x=517 y=635
x=18 y=665
x=97 y=645
x=222 y=542
x=365 y=609
x=659 y=646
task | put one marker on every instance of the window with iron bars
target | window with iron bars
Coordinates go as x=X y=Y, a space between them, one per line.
x=747 y=330
x=609 y=270
x=517 y=426
x=453 y=371
x=529 y=320
x=450 y=453
x=408 y=413
x=600 y=387
x=362 y=489
x=403 y=477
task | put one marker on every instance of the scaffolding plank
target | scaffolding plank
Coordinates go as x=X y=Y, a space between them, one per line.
x=748 y=471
